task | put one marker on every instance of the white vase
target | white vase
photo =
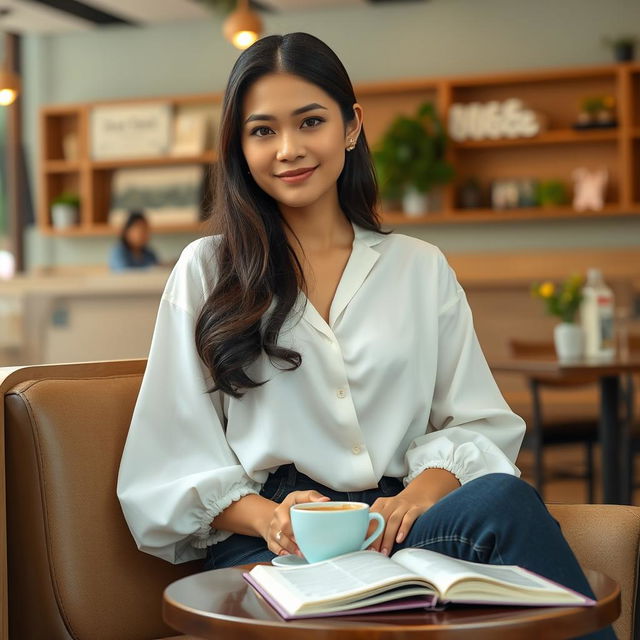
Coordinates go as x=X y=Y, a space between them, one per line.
x=64 y=216
x=415 y=203
x=568 y=339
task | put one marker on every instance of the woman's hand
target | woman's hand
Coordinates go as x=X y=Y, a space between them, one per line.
x=402 y=510
x=399 y=514
x=278 y=532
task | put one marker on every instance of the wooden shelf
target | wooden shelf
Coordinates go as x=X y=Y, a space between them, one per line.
x=61 y=166
x=559 y=136
x=154 y=161
x=458 y=216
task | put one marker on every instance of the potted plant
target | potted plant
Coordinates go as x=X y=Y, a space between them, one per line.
x=551 y=193
x=563 y=301
x=589 y=108
x=410 y=159
x=65 y=210
x=597 y=111
x=623 y=47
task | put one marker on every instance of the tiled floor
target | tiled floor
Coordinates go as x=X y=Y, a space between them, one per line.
x=563 y=459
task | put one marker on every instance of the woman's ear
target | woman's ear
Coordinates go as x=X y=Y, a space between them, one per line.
x=355 y=125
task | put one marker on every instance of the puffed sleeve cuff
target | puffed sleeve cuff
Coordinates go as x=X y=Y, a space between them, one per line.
x=206 y=535
x=466 y=454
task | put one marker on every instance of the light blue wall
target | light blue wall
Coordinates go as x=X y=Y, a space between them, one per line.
x=440 y=37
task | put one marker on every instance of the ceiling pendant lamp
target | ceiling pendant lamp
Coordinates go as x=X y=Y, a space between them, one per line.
x=9 y=86
x=243 y=27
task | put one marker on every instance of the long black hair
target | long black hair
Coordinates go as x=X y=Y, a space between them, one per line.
x=256 y=264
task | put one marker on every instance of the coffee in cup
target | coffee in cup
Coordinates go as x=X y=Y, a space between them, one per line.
x=323 y=530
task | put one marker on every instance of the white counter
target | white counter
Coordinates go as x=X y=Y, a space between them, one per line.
x=85 y=316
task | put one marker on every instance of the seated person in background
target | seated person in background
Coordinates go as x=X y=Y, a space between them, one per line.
x=131 y=251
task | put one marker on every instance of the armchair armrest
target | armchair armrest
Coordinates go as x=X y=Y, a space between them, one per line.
x=607 y=538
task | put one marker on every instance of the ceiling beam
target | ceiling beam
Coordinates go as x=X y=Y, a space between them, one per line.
x=84 y=11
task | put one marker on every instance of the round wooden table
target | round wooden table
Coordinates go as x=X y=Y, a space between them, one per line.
x=221 y=605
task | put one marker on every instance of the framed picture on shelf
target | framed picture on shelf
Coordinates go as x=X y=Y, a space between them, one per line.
x=137 y=130
x=189 y=133
x=167 y=195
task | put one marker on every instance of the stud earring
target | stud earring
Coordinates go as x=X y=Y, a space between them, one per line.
x=352 y=144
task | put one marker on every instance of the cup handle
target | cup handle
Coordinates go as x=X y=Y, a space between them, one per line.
x=376 y=533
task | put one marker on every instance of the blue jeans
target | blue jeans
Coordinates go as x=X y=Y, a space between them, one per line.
x=495 y=519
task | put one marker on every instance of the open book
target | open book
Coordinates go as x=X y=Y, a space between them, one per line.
x=368 y=581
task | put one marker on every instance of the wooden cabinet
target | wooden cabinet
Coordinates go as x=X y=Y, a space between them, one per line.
x=552 y=154
x=67 y=165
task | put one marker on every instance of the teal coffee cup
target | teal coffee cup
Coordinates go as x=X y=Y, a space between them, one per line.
x=324 y=530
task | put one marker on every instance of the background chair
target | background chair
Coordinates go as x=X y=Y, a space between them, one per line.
x=632 y=431
x=554 y=424
x=73 y=569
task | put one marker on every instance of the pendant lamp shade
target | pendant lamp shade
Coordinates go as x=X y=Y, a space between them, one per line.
x=9 y=86
x=243 y=27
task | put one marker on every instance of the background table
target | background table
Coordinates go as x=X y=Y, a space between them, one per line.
x=221 y=605
x=607 y=373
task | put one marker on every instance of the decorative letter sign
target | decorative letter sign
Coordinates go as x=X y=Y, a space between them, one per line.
x=493 y=120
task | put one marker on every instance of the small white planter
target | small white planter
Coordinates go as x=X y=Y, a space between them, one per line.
x=64 y=216
x=415 y=203
x=568 y=339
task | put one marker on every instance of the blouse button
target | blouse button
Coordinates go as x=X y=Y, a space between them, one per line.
x=355 y=449
x=341 y=393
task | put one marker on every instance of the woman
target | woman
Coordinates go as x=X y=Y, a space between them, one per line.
x=302 y=354
x=132 y=249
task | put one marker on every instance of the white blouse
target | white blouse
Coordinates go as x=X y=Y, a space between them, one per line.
x=394 y=384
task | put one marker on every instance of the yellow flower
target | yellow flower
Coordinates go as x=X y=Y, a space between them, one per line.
x=546 y=289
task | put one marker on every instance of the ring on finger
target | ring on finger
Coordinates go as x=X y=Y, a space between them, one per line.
x=279 y=535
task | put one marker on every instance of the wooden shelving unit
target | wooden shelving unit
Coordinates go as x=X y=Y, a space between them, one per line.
x=90 y=178
x=552 y=154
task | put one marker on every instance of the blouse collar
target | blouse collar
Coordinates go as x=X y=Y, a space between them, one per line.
x=363 y=257
x=358 y=267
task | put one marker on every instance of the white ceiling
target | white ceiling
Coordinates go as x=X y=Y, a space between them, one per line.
x=27 y=16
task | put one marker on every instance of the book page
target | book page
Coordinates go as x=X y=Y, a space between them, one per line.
x=516 y=577
x=337 y=579
x=445 y=572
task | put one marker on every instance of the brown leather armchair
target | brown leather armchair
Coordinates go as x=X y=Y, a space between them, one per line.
x=73 y=570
